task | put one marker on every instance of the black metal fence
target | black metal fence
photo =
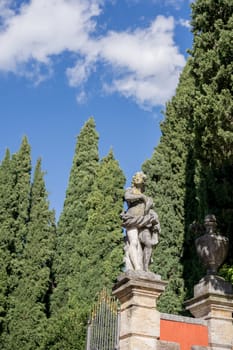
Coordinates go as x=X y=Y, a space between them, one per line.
x=103 y=327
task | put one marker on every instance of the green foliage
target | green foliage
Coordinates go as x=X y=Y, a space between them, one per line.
x=226 y=272
x=6 y=224
x=103 y=239
x=211 y=67
x=27 y=232
x=69 y=249
x=13 y=225
x=28 y=319
x=74 y=215
x=89 y=250
x=21 y=174
x=166 y=183
x=190 y=172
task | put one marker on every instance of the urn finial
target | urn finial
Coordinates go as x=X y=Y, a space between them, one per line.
x=212 y=248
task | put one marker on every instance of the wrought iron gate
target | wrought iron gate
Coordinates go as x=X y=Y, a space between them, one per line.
x=103 y=327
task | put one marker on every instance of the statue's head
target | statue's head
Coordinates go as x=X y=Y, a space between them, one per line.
x=139 y=178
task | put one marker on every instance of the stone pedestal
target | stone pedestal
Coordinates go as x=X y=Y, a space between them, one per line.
x=213 y=301
x=140 y=320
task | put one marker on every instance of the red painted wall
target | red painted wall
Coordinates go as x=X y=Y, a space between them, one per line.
x=186 y=334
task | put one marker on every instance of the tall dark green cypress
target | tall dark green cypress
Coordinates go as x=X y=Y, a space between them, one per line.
x=27 y=320
x=191 y=171
x=6 y=225
x=68 y=318
x=103 y=239
x=21 y=162
x=212 y=67
x=14 y=219
x=167 y=183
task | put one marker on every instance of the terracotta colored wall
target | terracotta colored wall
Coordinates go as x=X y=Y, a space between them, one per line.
x=186 y=334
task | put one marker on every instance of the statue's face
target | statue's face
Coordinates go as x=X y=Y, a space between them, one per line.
x=138 y=179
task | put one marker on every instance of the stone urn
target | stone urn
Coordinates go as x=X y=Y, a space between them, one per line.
x=212 y=248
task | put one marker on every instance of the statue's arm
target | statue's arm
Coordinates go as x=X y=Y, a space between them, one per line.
x=131 y=197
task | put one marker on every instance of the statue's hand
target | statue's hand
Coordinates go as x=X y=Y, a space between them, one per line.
x=154 y=220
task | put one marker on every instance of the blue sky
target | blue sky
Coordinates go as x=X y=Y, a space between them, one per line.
x=62 y=61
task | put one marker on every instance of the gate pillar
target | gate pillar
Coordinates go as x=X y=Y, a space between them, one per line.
x=213 y=301
x=140 y=320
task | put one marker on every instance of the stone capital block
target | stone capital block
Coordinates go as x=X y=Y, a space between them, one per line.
x=140 y=320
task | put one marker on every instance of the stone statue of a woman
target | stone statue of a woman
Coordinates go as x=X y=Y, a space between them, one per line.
x=142 y=225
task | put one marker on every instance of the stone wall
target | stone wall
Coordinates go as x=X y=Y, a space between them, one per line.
x=143 y=327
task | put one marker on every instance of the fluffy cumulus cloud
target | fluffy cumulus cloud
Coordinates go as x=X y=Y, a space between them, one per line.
x=147 y=62
x=144 y=63
x=42 y=28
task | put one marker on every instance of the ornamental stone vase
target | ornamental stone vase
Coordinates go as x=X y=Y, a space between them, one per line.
x=212 y=248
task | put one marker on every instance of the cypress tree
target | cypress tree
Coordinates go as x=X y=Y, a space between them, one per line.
x=103 y=240
x=6 y=224
x=14 y=217
x=27 y=320
x=200 y=181
x=211 y=67
x=74 y=215
x=68 y=318
x=21 y=162
x=167 y=183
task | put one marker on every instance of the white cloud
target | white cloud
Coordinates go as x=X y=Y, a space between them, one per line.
x=144 y=63
x=81 y=98
x=44 y=28
x=147 y=92
x=143 y=50
x=147 y=63
x=79 y=74
x=184 y=23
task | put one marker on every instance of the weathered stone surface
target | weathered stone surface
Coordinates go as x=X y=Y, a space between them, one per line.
x=138 y=342
x=211 y=247
x=142 y=225
x=212 y=284
x=198 y=347
x=140 y=320
x=213 y=296
x=220 y=332
x=167 y=345
x=139 y=275
x=212 y=250
x=213 y=302
x=185 y=319
x=138 y=288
